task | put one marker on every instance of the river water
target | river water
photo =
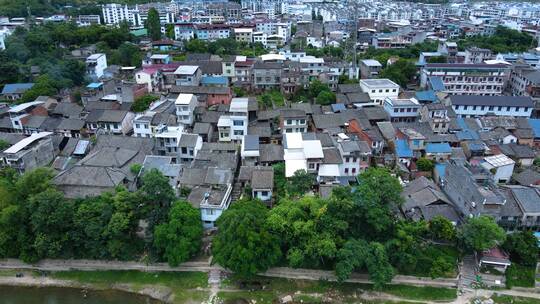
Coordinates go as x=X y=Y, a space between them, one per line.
x=53 y=295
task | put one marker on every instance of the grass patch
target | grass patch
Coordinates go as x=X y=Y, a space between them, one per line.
x=182 y=284
x=269 y=297
x=426 y=293
x=521 y=276
x=279 y=286
x=8 y=272
x=504 y=299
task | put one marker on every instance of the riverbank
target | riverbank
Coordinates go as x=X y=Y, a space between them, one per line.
x=29 y=280
x=182 y=287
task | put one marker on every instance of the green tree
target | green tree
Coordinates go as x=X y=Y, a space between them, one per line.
x=401 y=72
x=481 y=233
x=315 y=88
x=51 y=222
x=310 y=233
x=379 y=269
x=440 y=228
x=300 y=183
x=425 y=164
x=523 y=248
x=142 y=103
x=157 y=195
x=169 y=31
x=377 y=194
x=325 y=98
x=440 y=268
x=44 y=86
x=180 y=238
x=153 y=24
x=243 y=243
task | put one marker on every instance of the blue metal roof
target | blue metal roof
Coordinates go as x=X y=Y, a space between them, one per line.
x=441 y=170
x=337 y=107
x=466 y=133
x=436 y=83
x=94 y=85
x=537 y=235
x=426 y=96
x=535 y=125
x=402 y=148
x=217 y=80
x=11 y=88
x=438 y=148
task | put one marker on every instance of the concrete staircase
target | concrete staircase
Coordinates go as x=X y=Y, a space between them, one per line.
x=236 y=192
x=468 y=271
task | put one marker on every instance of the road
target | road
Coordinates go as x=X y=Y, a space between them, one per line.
x=280 y=272
x=204 y=266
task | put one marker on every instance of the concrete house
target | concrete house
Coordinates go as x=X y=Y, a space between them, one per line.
x=188 y=75
x=29 y=153
x=110 y=121
x=96 y=65
x=380 y=89
x=185 y=105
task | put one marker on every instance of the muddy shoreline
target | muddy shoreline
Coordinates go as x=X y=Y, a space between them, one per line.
x=160 y=294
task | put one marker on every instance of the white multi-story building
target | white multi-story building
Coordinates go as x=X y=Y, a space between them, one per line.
x=116 y=13
x=379 y=89
x=472 y=106
x=500 y=166
x=96 y=65
x=185 y=105
x=233 y=127
x=300 y=154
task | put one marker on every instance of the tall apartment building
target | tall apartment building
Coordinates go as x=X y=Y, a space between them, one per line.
x=136 y=16
x=466 y=79
x=116 y=13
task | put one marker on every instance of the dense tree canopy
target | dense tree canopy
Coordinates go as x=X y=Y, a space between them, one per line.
x=243 y=243
x=523 y=248
x=504 y=40
x=401 y=72
x=37 y=221
x=309 y=231
x=179 y=238
x=481 y=233
x=153 y=25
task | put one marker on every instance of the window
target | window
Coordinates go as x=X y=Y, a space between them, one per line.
x=184 y=150
x=508 y=109
x=346 y=170
x=289 y=121
x=491 y=108
x=353 y=170
x=238 y=122
x=311 y=166
x=115 y=125
x=264 y=193
x=517 y=108
x=483 y=108
x=238 y=132
x=346 y=159
x=302 y=121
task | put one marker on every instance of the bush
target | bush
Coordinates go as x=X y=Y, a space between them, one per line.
x=520 y=276
x=425 y=164
x=142 y=104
